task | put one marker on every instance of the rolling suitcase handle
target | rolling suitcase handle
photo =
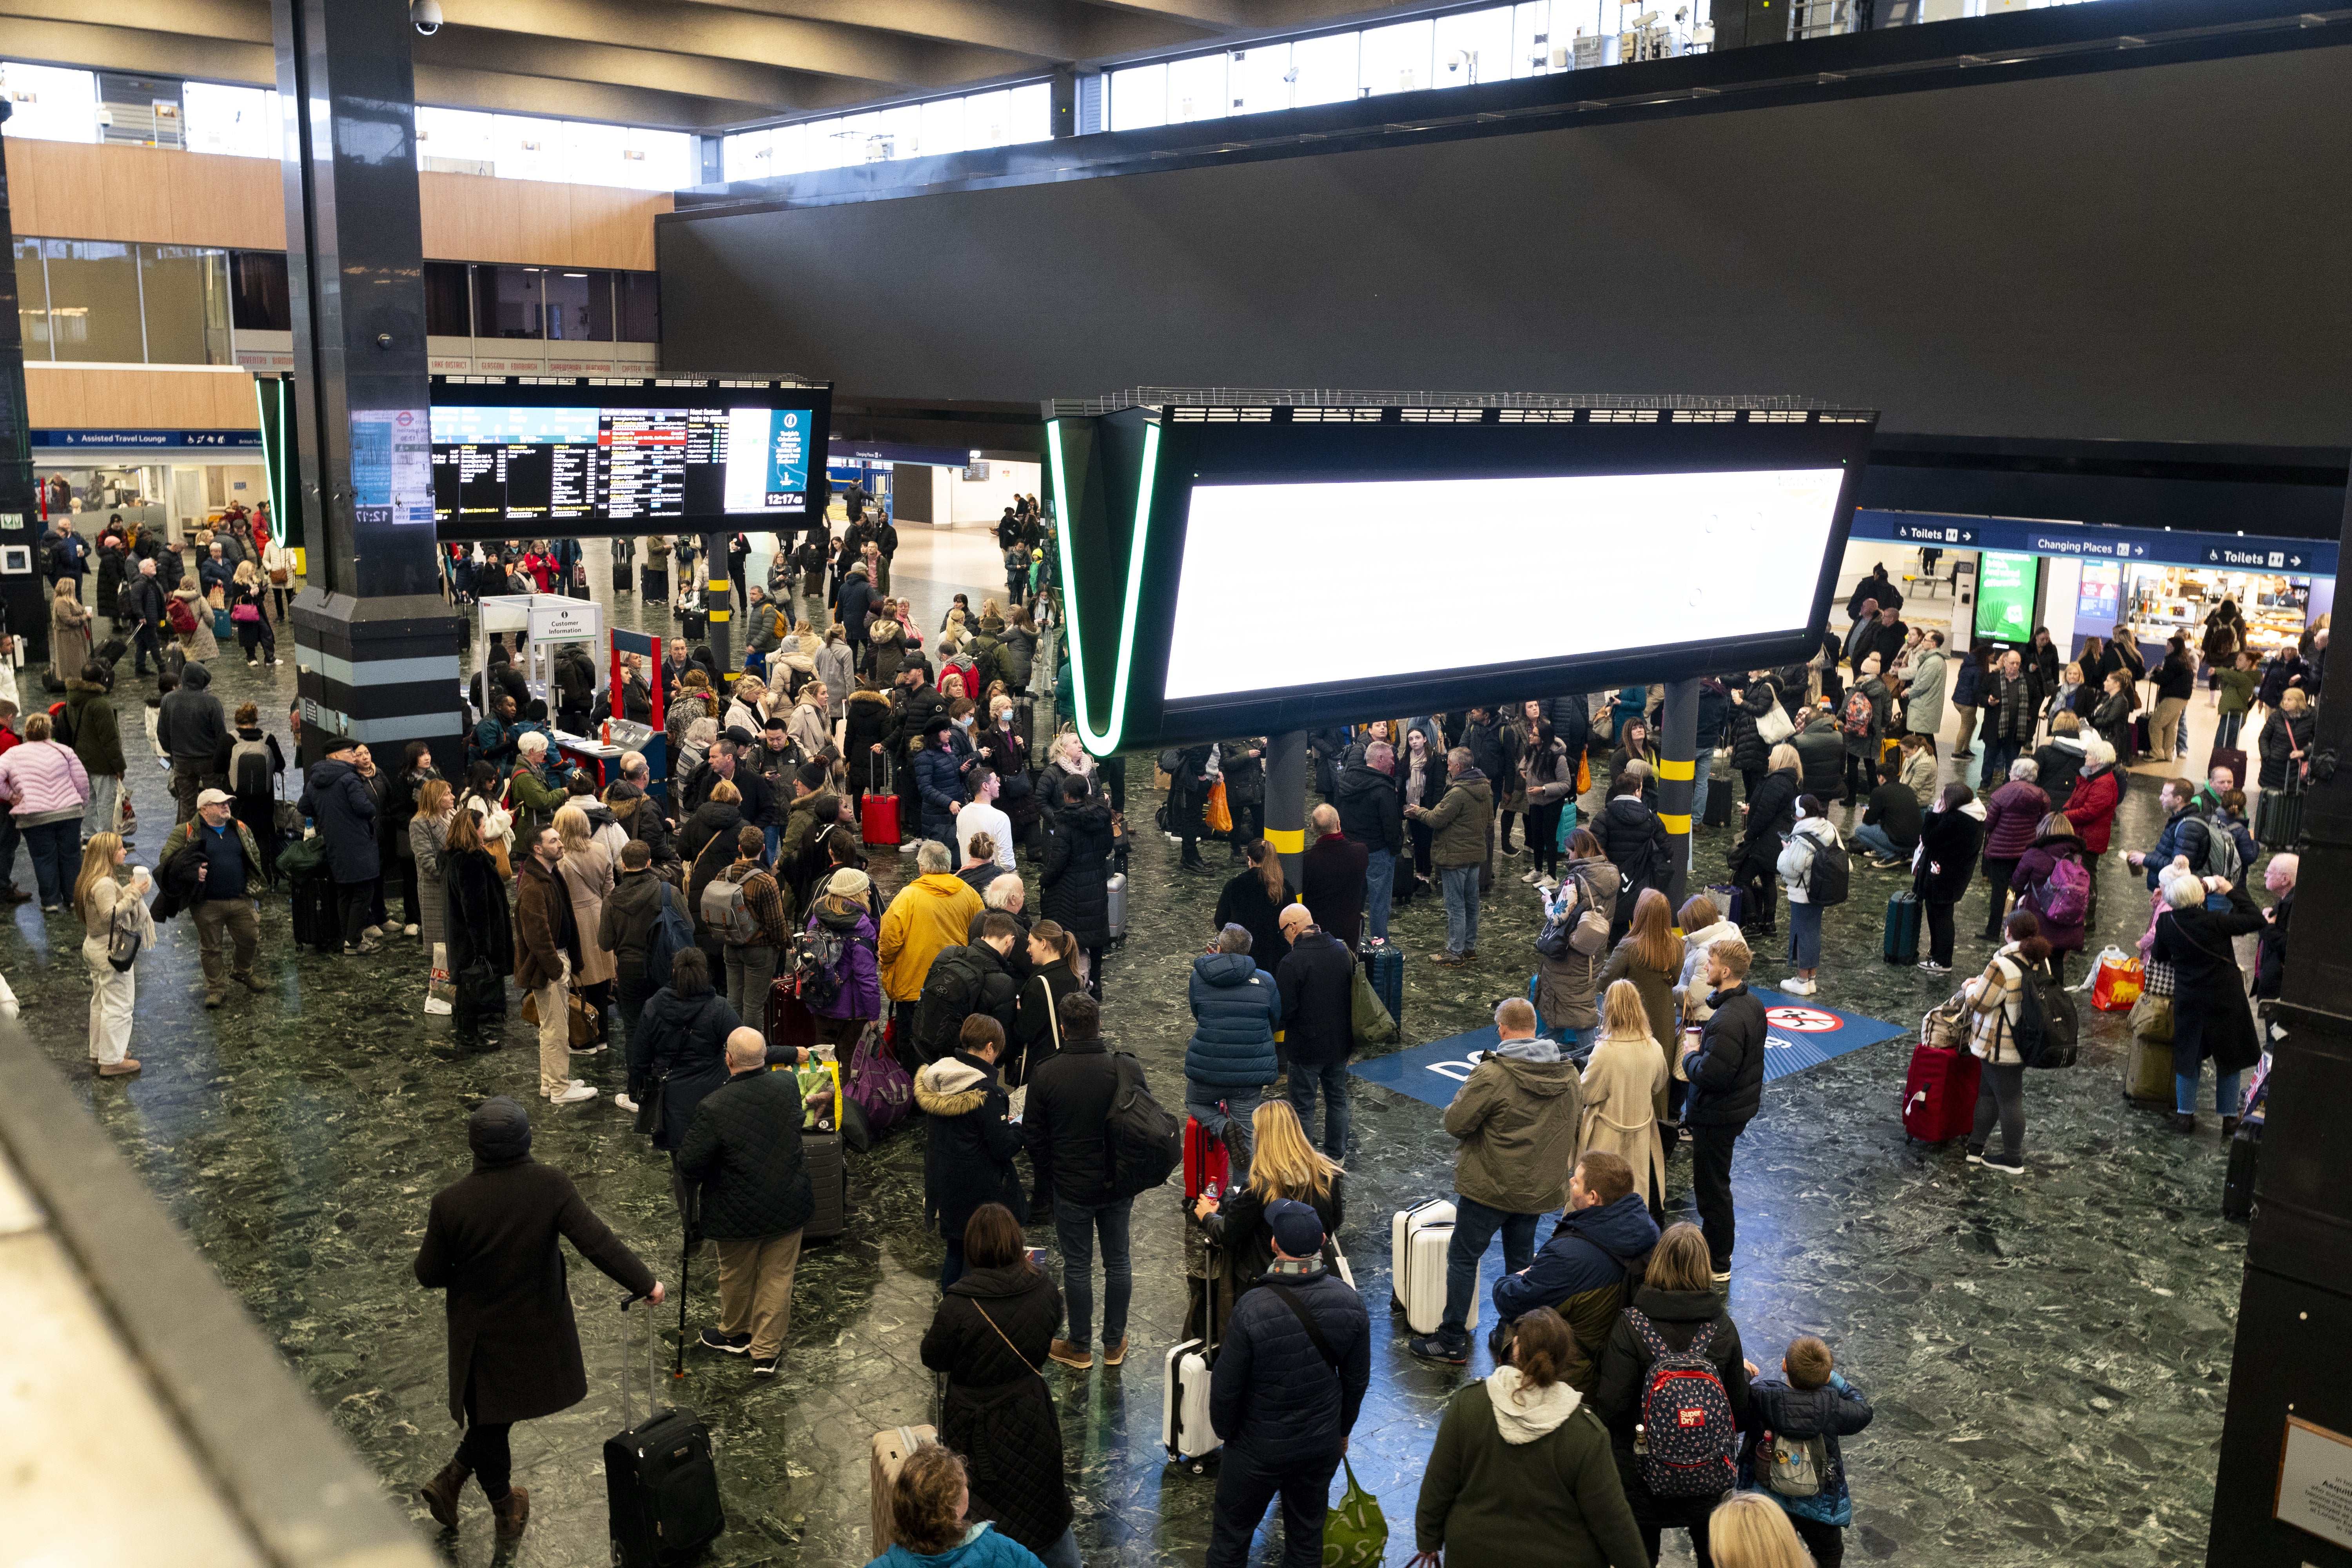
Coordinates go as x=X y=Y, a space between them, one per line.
x=653 y=1363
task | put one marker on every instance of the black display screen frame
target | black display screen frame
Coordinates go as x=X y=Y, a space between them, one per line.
x=1431 y=602
x=647 y=392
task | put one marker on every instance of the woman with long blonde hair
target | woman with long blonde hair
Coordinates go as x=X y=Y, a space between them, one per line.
x=1623 y=1080
x=428 y=844
x=586 y=871
x=1283 y=1165
x=1748 y=1529
x=111 y=911
x=1650 y=956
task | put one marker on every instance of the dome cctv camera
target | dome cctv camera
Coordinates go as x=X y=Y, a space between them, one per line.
x=426 y=16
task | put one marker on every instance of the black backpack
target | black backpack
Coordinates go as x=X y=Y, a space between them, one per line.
x=1144 y=1143
x=2047 y=1033
x=950 y=994
x=1831 y=877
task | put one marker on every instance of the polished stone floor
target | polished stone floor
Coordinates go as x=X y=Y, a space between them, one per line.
x=2048 y=1356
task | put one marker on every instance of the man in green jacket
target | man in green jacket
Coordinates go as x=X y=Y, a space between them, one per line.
x=537 y=786
x=1516 y=1117
x=1457 y=847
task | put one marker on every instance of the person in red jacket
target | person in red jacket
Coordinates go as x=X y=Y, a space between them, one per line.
x=2098 y=790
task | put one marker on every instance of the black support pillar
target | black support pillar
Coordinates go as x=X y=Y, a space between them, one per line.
x=2294 y=1310
x=1285 y=799
x=1677 y=770
x=24 y=610
x=375 y=644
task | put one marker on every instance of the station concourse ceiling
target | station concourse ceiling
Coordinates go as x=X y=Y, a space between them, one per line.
x=686 y=65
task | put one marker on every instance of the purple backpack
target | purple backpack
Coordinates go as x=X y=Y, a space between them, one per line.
x=878 y=1084
x=2066 y=894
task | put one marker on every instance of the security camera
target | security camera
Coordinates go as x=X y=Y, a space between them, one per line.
x=426 y=16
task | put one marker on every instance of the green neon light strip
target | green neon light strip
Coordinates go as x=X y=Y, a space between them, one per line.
x=1102 y=743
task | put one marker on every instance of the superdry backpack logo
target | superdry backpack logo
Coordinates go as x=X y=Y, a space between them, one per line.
x=1685 y=1417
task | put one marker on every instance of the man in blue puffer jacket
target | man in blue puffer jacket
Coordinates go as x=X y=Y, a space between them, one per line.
x=1236 y=1007
x=1283 y=1402
x=1604 y=1236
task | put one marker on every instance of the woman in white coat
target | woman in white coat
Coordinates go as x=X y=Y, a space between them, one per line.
x=111 y=912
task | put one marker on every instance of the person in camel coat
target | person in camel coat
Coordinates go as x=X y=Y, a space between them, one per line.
x=1623 y=1080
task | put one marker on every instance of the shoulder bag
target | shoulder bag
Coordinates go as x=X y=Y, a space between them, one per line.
x=121 y=943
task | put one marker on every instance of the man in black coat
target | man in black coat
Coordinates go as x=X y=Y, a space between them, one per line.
x=146 y=609
x=969 y=1138
x=1331 y=877
x=1288 y=1383
x=1372 y=815
x=744 y=1149
x=193 y=732
x=514 y=1350
x=336 y=796
x=974 y=980
x=1727 y=1084
x=1495 y=752
x=1317 y=980
x=1062 y=1126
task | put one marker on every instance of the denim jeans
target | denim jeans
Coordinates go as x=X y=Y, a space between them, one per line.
x=56 y=849
x=2225 y=1093
x=1870 y=836
x=1063 y=1552
x=1333 y=1079
x=97 y=816
x=1379 y=887
x=1474 y=1225
x=1076 y=1226
x=1460 y=884
x=1998 y=755
x=775 y=840
x=1699 y=777
x=1805 y=935
x=1230 y=1124
x=2227 y=735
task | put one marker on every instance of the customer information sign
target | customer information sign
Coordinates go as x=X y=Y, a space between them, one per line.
x=2156 y=547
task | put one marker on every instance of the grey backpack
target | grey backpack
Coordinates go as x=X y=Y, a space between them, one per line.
x=728 y=914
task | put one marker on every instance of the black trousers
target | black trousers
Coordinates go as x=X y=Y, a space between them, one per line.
x=1244 y=1486
x=1862 y=774
x=1997 y=876
x=1543 y=835
x=1711 y=1188
x=410 y=904
x=485 y=1451
x=1825 y=1541
x=1249 y=822
x=143 y=644
x=352 y=900
x=1939 y=933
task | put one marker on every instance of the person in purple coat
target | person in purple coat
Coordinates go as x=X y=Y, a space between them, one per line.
x=2013 y=815
x=843 y=916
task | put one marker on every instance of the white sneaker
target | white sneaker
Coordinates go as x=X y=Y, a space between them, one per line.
x=1796 y=987
x=408 y=931
x=910 y=847
x=373 y=931
x=573 y=1094
x=625 y=1103
x=1549 y=884
x=1532 y=878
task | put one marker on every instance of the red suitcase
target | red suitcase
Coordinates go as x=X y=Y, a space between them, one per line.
x=877 y=814
x=1939 y=1094
x=1204 y=1160
x=789 y=1021
x=2232 y=758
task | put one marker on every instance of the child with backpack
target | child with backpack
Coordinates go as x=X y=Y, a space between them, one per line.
x=1673 y=1391
x=1793 y=1457
x=1817 y=872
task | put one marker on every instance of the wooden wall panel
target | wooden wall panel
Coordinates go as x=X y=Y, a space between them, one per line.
x=88 y=191
x=132 y=397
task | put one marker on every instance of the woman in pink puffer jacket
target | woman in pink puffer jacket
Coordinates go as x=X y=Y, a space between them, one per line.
x=44 y=788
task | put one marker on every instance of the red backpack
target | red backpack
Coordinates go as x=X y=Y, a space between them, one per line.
x=1859 y=712
x=182 y=618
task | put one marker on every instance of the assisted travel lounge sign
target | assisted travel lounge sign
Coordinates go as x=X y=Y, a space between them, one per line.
x=2156 y=547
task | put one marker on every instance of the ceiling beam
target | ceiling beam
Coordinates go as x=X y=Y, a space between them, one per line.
x=566 y=60
x=458 y=87
x=97 y=48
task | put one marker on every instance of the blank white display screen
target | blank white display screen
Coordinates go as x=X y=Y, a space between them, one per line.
x=1295 y=584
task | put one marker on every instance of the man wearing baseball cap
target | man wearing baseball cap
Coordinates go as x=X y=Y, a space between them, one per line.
x=219 y=894
x=1288 y=1383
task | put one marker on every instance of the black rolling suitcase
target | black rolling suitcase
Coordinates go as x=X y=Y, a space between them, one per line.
x=317 y=924
x=661 y=1488
x=2278 y=815
x=620 y=577
x=2238 y=1185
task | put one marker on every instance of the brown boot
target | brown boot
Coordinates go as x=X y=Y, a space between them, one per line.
x=1114 y=1354
x=511 y=1511
x=122 y=1068
x=440 y=1493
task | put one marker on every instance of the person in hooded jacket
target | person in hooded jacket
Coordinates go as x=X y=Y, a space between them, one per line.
x=1821 y=754
x=1684 y=1309
x=2209 y=1015
x=1583 y=1271
x=1577 y=915
x=1634 y=838
x=98 y=742
x=2287 y=733
x=1242 y=764
x=1726 y=1071
x=1074 y=883
x=514 y=1350
x=1771 y=811
x=1521 y=1457
x=1815 y=1401
x=2054 y=840
x=1516 y=1119
x=335 y=793
x=2059 y=760
x=1814 y=836
x=968 y=1158
x=1949 y=835
x=1751 y=753
x=1230 y=1059
x=1370 y=815
x=840 y=913
x=681 y=1039
x=1287 y=1397
x=988 y=1339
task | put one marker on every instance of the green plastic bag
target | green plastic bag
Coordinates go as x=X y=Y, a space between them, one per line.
x=1356 y=1533
x=1369 y=1021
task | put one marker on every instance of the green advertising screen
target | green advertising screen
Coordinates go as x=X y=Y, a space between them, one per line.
x=2005 y=596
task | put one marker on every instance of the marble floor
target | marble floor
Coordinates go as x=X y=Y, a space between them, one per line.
x=2048 y=1355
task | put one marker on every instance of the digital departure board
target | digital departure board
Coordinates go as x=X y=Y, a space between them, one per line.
x=523 y=458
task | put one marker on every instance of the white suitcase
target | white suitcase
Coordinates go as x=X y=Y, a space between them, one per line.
x=1418 y=1239
x=1185 y=1429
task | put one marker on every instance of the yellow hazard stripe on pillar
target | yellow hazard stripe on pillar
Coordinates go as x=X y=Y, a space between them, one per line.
x=1287 y=840
x=1676 y=826
x=1670 y=769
